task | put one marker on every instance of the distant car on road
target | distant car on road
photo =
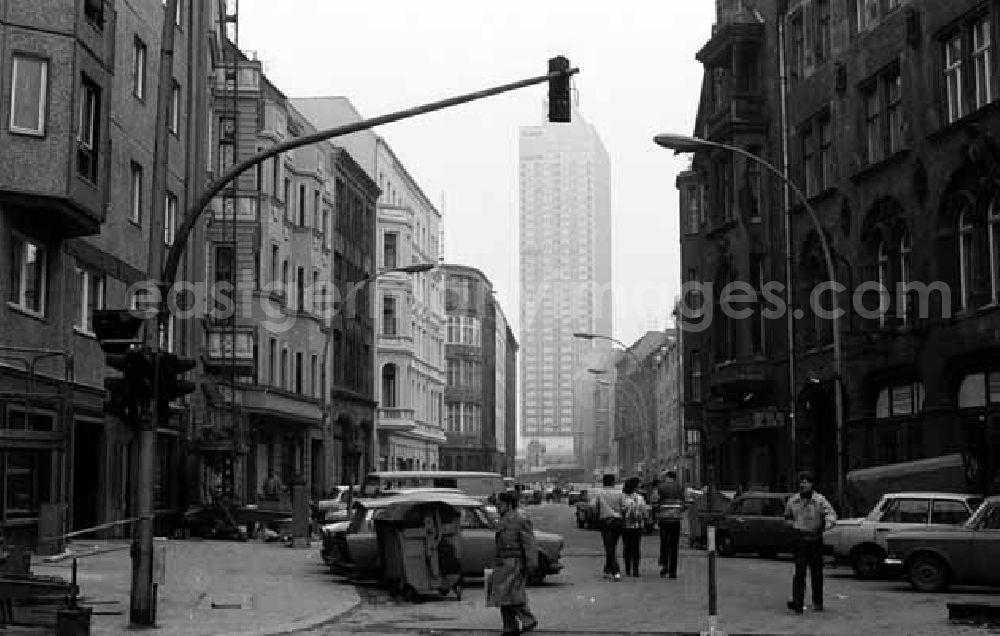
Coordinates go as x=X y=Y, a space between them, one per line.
x=862 y=541
x=936 y=557
x=755 y=522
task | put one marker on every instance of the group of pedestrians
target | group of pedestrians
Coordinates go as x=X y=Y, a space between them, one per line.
x=623 y=514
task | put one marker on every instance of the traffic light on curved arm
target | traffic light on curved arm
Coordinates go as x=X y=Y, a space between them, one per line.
x=172 y=383
x=559 y=97
x=117 y=332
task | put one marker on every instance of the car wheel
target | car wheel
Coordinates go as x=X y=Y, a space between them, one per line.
x=928 y=573
x=868 y=562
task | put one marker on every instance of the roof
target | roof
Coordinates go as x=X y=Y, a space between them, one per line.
x=449 y=496
x=924 y=494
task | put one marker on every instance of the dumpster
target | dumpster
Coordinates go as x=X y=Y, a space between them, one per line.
x=703 y=511
x=420 y=547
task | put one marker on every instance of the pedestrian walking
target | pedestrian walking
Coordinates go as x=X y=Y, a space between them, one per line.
x=516 y=560
x=609 y=515
x=670 y=507
x=809 y=514
x=634 y=514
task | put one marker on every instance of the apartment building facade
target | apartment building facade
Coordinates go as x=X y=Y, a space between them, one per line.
x=78 y=97
x=476 y=440
x=890 y=108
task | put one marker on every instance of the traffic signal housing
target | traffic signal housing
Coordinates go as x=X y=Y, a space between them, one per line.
x=117 y=332
x=559 y=99
x=172 y=385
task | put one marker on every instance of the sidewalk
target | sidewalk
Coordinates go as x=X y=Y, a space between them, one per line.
x=255 y=588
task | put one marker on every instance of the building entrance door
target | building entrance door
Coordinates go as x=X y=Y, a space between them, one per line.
x=86 y=474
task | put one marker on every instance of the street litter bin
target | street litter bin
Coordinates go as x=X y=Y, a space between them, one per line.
x=420 y=548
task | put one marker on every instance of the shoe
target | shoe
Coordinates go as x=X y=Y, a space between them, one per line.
x=795 y=608
x=663 y=574
x=817 y=608
x=673 y=575
x=527 y=628
x=617 y=576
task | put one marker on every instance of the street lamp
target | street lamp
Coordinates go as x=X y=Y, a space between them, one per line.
x=349 y=299
x=687 y=144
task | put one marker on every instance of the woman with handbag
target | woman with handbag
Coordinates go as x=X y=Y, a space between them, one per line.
x=516 y=559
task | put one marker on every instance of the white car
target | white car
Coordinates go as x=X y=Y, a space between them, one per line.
x=862 y=541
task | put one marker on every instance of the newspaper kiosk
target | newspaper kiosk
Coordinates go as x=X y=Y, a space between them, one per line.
x=420 y=545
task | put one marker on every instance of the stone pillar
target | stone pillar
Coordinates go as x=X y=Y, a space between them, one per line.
x=300 y=513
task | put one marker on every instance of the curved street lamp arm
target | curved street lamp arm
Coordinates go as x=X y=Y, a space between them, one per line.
x=181 y=237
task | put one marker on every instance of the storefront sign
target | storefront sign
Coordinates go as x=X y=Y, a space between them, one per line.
x=752 y=420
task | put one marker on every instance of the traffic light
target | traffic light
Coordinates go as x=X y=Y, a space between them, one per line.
x=171 y=369
x=559 y=101
x=117 y=332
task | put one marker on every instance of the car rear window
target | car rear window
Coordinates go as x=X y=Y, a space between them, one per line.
x=949 y=511
x=907 y=511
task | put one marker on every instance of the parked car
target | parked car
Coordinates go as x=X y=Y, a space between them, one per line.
x=332 y=535
x=335 y=508
x=357 y=549
x=936 y=557
x=862 y=541
x=575 y=496
x=755 y=522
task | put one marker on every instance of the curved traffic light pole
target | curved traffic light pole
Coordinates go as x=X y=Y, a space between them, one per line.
x=169 y=272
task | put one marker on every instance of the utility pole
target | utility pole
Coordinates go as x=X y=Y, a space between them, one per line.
x=142 y=599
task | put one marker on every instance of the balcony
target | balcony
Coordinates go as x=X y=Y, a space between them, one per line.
x=220 y=351
x=737 y=378
x=395 y=342
x=245 y=208
x=468 y=440
x=397 y=420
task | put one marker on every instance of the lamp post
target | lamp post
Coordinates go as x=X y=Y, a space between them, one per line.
x=348 y=299
x=688 y=144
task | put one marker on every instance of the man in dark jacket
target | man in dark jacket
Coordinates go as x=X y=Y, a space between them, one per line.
x=669 y=508
x=516 y=559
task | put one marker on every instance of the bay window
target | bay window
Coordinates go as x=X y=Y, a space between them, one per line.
x=28 y=94
x=28 y=274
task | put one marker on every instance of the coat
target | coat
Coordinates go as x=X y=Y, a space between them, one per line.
x=516 y=555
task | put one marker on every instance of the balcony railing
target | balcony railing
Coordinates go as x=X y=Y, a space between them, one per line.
x=393 y=413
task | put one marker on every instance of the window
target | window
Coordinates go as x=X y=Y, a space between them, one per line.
x=224 y=263
x=966 y=256
x=27 y=481
x=873 y=136
x=274 y=264
x=979 y=389
x=982 y=61
x=695 y=376
x=326 y=228
x=298 y=372
x=905 y=254
x=388 y=316
x=900 y=400
x=389 y=386
x=28 y=274
x=948 y=511
x=90 y=290
x=797 y=55
x=315 y=210
x=990 y=520
x=139 y=68
x=93 y=10
x=953 y=77
x=751 y=506
x=809 y=161
x=826 y=165
x=177 y=15
x=88 y=130
x=907 y=511
x=272 y=361
x=300 y=288
x=302 y=205
x=284 y=369
x=169 y=219
x=893 y=112
x=753 y=185
x=823 y=33
x=28 y=94
x=135 y=193
x=993 y=225
x=389 y=250
x=174 y=116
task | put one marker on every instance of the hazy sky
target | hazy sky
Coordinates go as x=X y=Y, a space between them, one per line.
x=638 y=77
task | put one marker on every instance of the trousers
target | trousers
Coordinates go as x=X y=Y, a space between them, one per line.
x=808 y=555
x=610 y=531
x=670 y=537
x=631 y=540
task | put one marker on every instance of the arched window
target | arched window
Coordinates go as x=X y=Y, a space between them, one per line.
x=899 y=400
x=979 y=390
x=993 y=221
x=966 y=260
x=883 y=278
x=905 y=249
x=389 y=386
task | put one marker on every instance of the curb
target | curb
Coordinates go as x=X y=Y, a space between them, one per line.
x=312 y=622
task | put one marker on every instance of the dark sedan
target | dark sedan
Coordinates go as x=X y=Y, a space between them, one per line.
x=755 y=522
x=935 y=558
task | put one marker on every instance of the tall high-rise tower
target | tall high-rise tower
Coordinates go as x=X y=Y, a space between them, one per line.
x=565 y=267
